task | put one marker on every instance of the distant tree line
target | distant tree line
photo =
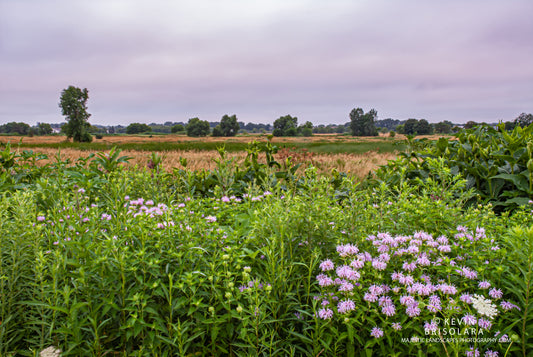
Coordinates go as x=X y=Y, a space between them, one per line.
x=73 y=106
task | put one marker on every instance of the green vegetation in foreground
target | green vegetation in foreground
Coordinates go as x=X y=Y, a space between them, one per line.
x=256 y=259
x=326 y=147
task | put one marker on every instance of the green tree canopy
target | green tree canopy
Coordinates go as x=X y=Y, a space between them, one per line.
x=285 y=126
x=409 y=128
x=45 y=129
x=229 y=125
x=306 y=129
x=524 y=120
x=73 y=104
x=363 y=124
x=470 y=124
x=137 y=128
x=196 y=127
x=443 y=127
x=423 y=127
x=177 y=128
x=15 y=128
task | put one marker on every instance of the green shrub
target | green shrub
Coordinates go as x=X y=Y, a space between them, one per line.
x=497 y=164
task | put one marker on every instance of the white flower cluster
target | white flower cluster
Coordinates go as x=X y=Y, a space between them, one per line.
x=484 y=306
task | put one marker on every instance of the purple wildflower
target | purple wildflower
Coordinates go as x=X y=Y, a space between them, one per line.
x=484 y=324
x=327 y=265
x=397 y=326
x=345 y=306
x=495 y=293
x=412 y=310
x=506 y=305
x=388 y=310
x=324 y=280
x=484 y=285
x=376 y=332
x=325 y=314
x=472 y=352
x=469 y=320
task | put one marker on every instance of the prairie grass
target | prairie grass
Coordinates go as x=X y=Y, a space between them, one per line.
x=356 y=165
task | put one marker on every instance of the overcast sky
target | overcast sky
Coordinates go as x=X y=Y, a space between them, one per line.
x=157 y=60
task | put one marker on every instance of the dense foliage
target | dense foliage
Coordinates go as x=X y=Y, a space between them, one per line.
x=228 y=126
x=257 y=260
x=73 y=104
x=138 y=128
x=286 y=126
x=15 y=128
x=196 y=127
x=497 y=164
x=363 y=124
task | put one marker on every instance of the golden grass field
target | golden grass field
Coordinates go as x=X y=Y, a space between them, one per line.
x=357 y=165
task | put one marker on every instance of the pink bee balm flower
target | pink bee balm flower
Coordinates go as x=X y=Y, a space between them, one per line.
x=431 y=326
x=413 y=310
x=376 y=332
x=495 y=293
x=345 y=306
x=484 y=285
x=448 y=289
x=469 y=320
x=466 y=298
x=346 y=287
x=379 y=264
x=484 y=324
x=347 y=249
x=388 y=310
x=472 y=352
x=357 y=264
x=327 y=265
x=370 y=297
x=324 y=280
x=506 y=305
x=325 y=314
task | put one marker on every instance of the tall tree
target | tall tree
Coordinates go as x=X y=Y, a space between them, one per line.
x=423 y=127
x=409 y=128
x=228 y=126
x=196 y=127
x=73 y=104
x=285 y=126
x=363 y=124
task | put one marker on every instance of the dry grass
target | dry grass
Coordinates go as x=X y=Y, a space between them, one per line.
x=357 y=165
x=354 y=164
x=173 y=138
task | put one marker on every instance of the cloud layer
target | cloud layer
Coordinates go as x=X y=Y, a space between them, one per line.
x=171 y=60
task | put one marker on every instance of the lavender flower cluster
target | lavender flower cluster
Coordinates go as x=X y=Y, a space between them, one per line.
x=417 y=276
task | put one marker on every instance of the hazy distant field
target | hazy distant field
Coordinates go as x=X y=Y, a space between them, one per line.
x=354 y=155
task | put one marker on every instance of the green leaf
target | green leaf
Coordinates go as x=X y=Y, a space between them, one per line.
x=519 y=181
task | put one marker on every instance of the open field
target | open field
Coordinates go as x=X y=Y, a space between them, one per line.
x=249 y=259
x=317 y=143
x=174 y=138
x=353 y=155
x=358 y=165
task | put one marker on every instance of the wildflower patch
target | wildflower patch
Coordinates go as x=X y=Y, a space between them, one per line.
x=416 y=287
